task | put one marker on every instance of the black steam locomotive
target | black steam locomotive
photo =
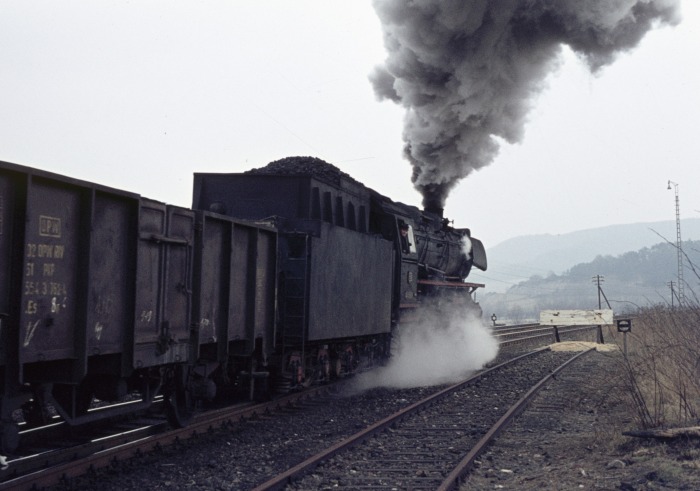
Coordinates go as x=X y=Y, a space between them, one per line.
x=275 y=278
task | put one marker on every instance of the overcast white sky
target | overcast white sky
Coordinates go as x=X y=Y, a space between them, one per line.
x=140 y=95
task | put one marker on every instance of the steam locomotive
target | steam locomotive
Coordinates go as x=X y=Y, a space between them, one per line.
x=274 y=279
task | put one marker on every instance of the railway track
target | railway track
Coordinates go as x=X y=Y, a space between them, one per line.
x=537 y=335
x=432 y=443
x=42 y=467
x=49 y=466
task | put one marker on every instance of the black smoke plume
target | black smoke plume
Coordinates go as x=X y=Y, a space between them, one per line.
x=466 y=70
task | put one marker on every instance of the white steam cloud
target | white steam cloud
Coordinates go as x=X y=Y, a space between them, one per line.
x=466 y=246
x=445 y=345
x=466 y=70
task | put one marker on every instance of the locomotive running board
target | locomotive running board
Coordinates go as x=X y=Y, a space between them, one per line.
x=452 y=284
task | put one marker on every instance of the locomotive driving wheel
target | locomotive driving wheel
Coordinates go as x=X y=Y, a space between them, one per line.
x=179 y=407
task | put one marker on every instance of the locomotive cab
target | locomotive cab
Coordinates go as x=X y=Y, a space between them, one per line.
x=432 y=258
x=407 y=242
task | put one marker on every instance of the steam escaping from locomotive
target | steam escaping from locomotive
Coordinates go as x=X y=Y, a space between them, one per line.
x=444 y=345
x=466 y=70
x=466 y=246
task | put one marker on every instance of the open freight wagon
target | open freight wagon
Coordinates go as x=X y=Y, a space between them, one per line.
x=97 y=303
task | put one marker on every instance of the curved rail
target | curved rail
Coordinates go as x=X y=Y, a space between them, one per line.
x=452 y=480
x=301 y=469
x=58 y=467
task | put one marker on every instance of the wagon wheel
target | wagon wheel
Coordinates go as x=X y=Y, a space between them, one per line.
x=179 y=406
x=336 y=368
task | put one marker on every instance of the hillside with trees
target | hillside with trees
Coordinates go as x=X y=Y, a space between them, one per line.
x=628 y=281
x=519 y=258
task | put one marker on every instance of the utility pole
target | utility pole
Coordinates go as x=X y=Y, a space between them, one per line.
x=598 y=279
x=679 y=251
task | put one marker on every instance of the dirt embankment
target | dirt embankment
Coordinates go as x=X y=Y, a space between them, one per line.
x=571 y=437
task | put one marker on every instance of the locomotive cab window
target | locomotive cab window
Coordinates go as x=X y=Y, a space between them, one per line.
x=408 y=243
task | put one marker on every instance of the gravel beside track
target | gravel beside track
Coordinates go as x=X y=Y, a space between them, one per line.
x=422 y=449
x=569 y=439
x=247 y=453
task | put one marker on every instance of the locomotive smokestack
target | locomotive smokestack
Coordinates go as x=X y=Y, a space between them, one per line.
x=433 y=198
x=466 y=70
x=434 y=208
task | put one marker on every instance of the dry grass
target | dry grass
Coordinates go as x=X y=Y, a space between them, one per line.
x=661 y=369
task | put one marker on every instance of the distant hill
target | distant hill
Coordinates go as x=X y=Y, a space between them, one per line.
x=520 y=258
x=628 y=281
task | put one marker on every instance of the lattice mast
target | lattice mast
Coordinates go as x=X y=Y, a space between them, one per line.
x=679 y=250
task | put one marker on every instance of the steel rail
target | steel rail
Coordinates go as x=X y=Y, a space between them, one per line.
x=284 y=478
x=550 y=334
x=121 y=448
x=453 y=479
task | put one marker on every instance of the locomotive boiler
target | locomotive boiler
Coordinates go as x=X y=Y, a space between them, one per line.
x=432 y=257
